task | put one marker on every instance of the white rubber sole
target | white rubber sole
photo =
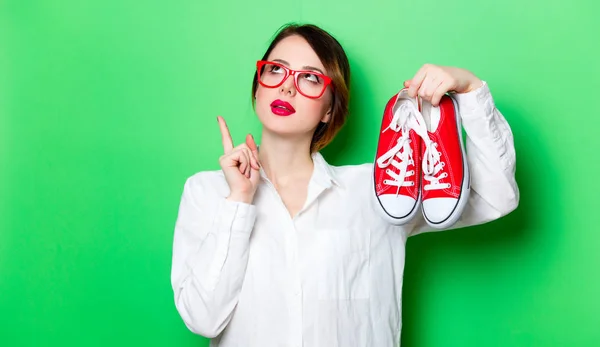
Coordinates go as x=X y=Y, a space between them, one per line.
x=388 y=217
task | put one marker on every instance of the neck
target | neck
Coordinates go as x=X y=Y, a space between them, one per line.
x=285 y=160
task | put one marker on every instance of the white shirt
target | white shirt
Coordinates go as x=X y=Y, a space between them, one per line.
x=249 y=275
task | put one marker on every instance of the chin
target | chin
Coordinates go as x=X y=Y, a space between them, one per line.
x=285 y=126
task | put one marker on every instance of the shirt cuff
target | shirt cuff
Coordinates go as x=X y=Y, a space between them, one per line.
x=480 y=98
x=236 y=216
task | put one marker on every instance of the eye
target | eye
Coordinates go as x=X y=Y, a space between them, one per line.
x=275 y=69
x=314 y=78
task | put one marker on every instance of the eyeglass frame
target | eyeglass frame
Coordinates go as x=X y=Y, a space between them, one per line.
x=326 y=79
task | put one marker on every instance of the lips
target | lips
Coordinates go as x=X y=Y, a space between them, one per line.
x=282 y=108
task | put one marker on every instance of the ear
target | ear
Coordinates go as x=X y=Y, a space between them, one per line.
x=327 y=117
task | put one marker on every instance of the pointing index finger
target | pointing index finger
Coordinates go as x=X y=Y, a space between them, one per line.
x=225 y=135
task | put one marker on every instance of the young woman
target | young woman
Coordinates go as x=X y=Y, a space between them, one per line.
x=280 y=248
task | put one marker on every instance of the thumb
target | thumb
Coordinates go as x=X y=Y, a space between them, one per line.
x=252 y=145
x=407 y=84
x=254 y=149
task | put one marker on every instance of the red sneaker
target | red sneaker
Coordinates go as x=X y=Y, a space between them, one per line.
x=396 y=177
x=446 y=181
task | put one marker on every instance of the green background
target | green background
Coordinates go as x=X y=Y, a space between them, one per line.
x=106 y=107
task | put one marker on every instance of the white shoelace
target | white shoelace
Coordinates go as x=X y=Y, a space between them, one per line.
x=432 y=165
x=408 y=117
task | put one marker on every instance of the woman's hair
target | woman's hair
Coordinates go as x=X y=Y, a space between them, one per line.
x=334 y=59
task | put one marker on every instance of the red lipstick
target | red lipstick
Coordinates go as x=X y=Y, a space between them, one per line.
x=282 y=108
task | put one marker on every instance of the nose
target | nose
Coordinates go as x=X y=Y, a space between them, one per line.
x=288 y=86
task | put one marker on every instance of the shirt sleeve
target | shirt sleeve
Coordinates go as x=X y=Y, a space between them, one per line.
x=491 y=159
x=210 y=254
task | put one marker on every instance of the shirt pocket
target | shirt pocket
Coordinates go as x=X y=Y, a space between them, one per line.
x=343 y=267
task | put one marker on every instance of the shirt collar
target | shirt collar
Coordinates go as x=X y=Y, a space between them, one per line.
x=323 y=173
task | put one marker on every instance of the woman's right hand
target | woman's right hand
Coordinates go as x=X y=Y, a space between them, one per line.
x=240 y=166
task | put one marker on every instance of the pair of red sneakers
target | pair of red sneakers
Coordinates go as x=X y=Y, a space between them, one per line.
x=421 y=162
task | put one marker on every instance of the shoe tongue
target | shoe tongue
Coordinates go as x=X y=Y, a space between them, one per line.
x=399 y=110
x=431 y=115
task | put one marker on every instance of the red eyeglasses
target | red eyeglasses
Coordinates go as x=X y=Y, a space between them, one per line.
x=311 y=84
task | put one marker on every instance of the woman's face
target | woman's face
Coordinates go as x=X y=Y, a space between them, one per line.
x=305 y=113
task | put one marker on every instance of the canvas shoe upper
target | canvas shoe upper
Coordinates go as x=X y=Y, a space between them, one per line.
x=446 y=180
x=397 y=173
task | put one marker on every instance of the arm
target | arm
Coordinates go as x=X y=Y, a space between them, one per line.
x=210 y=255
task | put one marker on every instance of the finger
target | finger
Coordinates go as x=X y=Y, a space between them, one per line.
x=231 y=160
x=407 y=84
x=429 y=88
x=246 y=158
x=243 y=160
x=252 y=144
x=249 y=166
x=254 y=177
x=244 y=148
x=251 y=160
x=254 y=150
x=442 y=89
x=225 y=135
x=241 y=146
x=254 y=162
x=415 y=82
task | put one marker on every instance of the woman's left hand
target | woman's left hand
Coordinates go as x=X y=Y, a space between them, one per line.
x=431 y=82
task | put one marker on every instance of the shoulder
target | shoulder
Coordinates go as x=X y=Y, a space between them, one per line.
x=206 y=183
x=352 y=175
x=345 y=174
x=352 y=170
x=206 y=177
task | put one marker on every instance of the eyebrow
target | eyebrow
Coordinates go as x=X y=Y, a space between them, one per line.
x=305 y=67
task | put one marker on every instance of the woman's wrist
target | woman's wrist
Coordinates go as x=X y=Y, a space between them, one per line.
x=237 y=197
